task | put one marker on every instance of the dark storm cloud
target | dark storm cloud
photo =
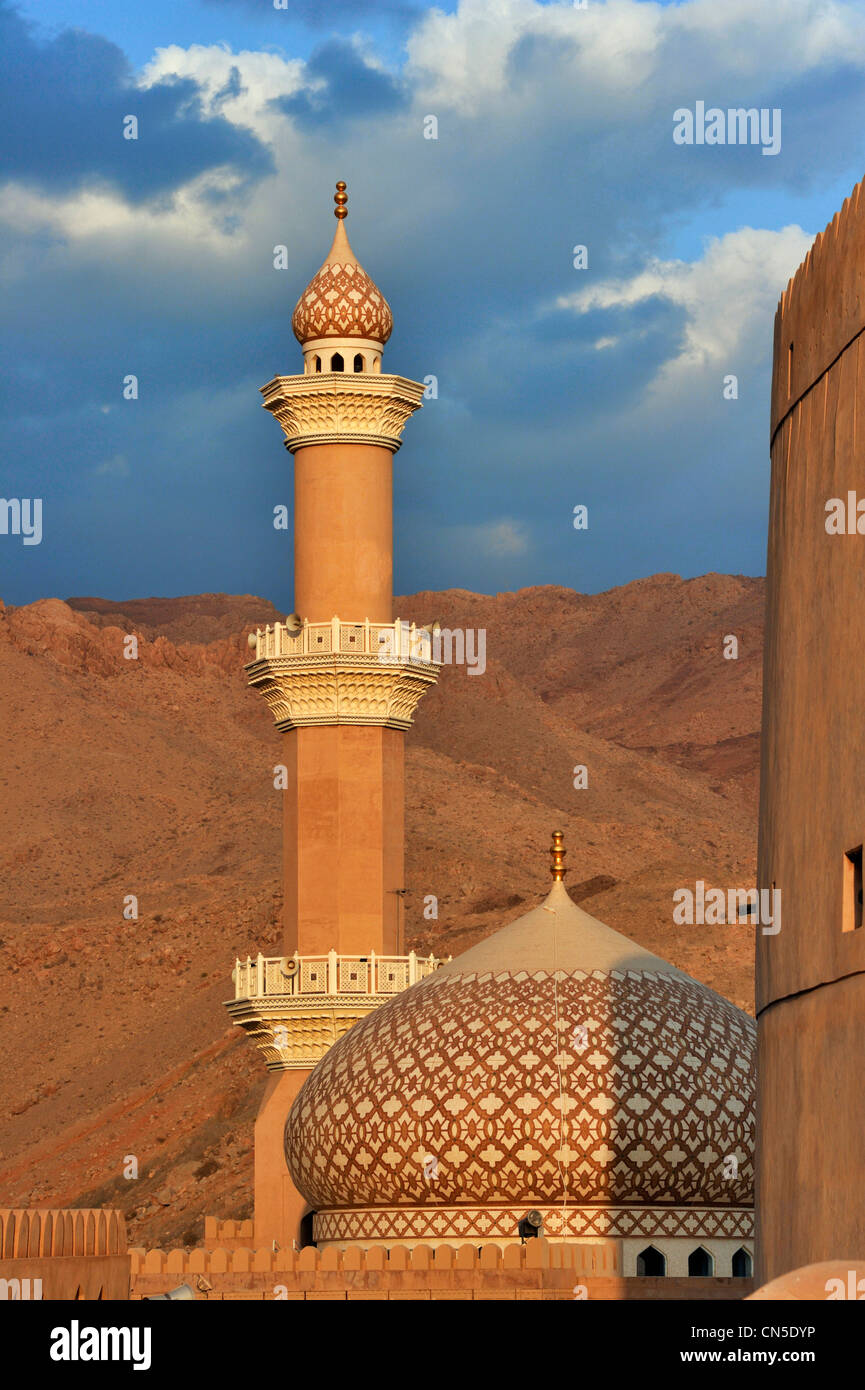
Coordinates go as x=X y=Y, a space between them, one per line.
x=63 y=102
x=351 y=88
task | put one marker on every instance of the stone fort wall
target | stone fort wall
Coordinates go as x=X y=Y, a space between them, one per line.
x=811 y=976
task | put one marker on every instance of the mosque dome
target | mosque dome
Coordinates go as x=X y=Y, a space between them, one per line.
x=341 y=301
x=555 y=1065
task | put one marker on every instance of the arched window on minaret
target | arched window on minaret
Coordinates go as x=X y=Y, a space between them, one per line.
x=318 y=364
x=358 y=361
x=336 y=363
x=650 y=1262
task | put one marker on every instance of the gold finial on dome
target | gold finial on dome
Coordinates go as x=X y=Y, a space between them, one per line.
x=340 y=197
x=557 y=856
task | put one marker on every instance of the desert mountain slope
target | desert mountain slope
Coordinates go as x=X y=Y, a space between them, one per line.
x=153 y=777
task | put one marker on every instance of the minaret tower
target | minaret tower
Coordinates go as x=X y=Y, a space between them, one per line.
x=342 y=678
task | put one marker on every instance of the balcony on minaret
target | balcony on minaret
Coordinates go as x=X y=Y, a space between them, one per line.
x=326 y=406
x=296 y=1007
x=346 y=672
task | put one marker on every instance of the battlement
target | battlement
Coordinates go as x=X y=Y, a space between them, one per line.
x=822 y=309
x=536 y=1269
x=62 y=1254
x=598 y=1258
x=26 y=1232
x=228 y=1235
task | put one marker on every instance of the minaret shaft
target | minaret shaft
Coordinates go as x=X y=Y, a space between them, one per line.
x=343 y=822
x=343 y=529
x=344 y=842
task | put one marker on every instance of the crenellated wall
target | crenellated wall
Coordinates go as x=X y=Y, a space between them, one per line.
x=536 y=1270
x=228 y=1235
x=60 y=1254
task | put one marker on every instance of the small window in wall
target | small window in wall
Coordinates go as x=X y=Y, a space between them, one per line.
x=743 y=1265
x=852 y=906
x=306 y=1234
x=358 y=362
x=336 y=363
x=318 y=364
x=700 y=1263
x=650 y=1262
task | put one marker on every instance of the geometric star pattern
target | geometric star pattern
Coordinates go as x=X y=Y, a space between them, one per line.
x=542 y=1088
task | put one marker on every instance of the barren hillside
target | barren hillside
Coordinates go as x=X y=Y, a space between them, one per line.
x=153 y=778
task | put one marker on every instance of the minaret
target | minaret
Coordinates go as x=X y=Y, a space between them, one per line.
x=342 y=678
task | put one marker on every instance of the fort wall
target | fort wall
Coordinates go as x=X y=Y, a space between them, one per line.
x=811 y=975
x=63 y=1254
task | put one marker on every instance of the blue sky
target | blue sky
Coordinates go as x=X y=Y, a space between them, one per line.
x=557 y=386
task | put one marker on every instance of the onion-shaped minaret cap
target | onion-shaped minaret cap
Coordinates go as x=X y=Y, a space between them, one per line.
x=341 y=301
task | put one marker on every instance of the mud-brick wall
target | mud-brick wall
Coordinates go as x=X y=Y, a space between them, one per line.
x=73 y=1253
x=811 y=975
x=228 y=1235
x=536 y=1270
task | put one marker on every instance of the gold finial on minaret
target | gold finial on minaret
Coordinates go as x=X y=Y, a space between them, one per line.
x=340 y=197
x=557 y=856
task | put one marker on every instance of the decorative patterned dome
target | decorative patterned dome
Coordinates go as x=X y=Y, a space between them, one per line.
x=555 y=1064
x=341 y=301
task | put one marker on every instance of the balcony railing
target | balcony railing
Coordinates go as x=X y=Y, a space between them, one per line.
x=396 y=641
x=268 y=976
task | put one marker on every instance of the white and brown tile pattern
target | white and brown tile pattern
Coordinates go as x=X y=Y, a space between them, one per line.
x=518 y=1090
x=501 y=1223
x=342 y=301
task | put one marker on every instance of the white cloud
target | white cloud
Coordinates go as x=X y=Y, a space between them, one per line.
x=624 y=59
x=729 y=298
x=461 y=60
x=263 y=77
x=98 y=217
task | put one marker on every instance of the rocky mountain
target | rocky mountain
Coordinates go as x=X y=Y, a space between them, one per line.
x=150 y=778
